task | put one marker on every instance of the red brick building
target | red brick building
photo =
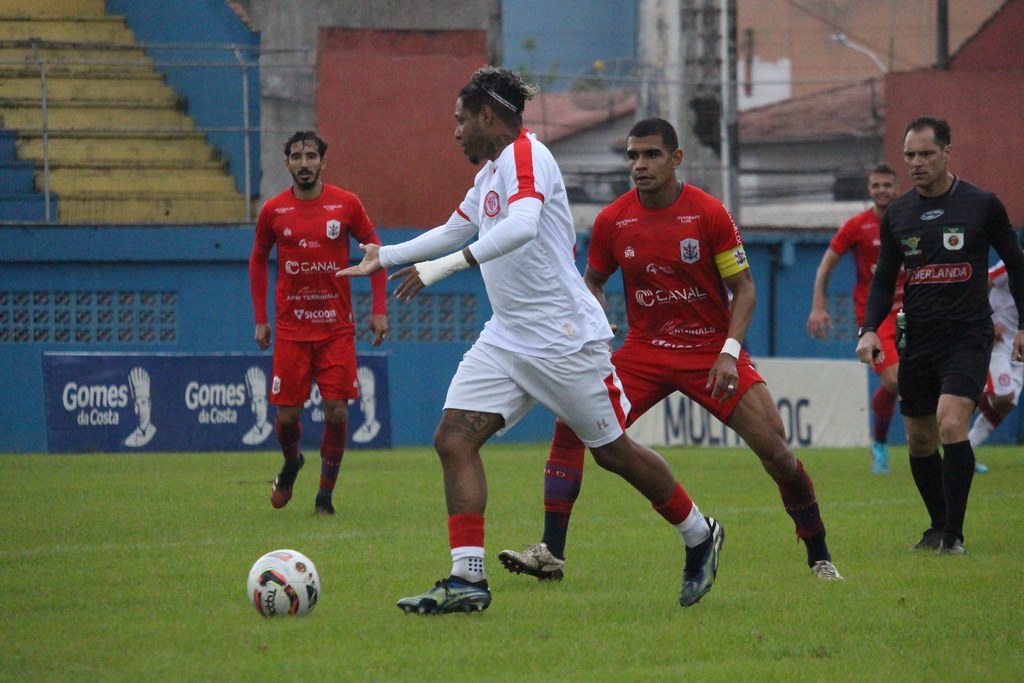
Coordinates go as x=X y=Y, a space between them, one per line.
x=981 y=94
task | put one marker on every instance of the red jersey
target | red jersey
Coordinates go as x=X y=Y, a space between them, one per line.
x=861 y=234
x=312 y=238
x=673 y=262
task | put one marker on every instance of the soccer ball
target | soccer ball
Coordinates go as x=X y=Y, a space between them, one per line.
x=284 y=583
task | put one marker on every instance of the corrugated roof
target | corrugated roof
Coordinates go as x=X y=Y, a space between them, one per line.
x=852 y=110
x=556 y=115
x=848 y=110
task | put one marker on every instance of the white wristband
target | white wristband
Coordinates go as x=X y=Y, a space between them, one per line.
x=440 y=268
x=731 y=347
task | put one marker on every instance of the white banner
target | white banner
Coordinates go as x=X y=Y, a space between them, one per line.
x=821 y=402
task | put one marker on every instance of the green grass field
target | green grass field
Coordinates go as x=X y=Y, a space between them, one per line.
x=133 y=567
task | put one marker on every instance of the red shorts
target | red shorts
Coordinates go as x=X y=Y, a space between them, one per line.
x=887 y=338
x=331 y=362
x=649 y=374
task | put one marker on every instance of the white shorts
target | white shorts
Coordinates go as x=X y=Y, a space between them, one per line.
x=1005 y=376
x=582 y=389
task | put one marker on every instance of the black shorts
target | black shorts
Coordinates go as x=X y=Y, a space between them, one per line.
x=943 y=359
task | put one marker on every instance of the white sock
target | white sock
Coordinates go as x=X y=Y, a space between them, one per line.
x=694 y=528
x=468 y=563
x=980 y=431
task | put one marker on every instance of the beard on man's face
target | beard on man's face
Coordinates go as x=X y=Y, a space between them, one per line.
x=305 y=180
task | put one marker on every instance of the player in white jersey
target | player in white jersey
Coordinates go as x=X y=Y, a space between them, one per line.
x=1005 y=376
x=547 y=341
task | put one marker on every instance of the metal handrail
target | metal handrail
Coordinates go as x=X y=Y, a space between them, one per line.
x=245 y=134
x=45 y=125
x=243 y=57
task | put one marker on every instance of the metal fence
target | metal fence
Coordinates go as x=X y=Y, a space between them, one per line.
x=216 y=93
x=73 y=104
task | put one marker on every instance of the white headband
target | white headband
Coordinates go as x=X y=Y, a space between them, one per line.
x=501 y=99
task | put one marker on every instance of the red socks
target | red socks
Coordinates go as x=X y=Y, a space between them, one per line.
x=677 y=507
x=465 y=530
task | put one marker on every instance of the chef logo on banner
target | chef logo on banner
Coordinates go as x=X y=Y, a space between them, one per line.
x=166 y=402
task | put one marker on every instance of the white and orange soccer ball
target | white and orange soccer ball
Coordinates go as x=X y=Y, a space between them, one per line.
x=284 y=583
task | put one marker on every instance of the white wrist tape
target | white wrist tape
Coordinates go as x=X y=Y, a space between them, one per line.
x=440 y=268
x=731 y=347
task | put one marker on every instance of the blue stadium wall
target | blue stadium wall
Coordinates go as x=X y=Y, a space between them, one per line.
x=186 y=290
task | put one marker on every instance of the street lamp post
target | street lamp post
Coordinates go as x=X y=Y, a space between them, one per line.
x=840 y=37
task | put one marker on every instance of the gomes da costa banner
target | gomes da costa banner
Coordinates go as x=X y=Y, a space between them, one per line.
x=101 y=402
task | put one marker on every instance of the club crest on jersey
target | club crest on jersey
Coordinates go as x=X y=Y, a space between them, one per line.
x=911 y=244
x=689 y=250
x=333 y=229
x=953 y=238
x=492 y=205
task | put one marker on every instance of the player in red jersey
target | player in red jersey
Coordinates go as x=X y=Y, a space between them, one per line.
x=680 y=254
x=311 y=223
x=859 y=235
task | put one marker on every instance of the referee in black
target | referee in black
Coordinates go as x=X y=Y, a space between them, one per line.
x=940 y=232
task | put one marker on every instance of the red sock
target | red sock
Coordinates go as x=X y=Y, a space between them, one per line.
x=801 y=503
x=563 y=476
x=677 y=507
x=465 y=529
x=883 y=405
x=288 y=437
x=332 y=449
x=563 y=472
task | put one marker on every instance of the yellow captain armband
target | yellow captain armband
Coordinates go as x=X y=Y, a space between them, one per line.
x=732 y=261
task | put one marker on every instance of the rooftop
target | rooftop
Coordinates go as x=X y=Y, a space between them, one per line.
x=849 y=110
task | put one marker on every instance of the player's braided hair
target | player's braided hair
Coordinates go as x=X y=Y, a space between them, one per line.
x=503 y=89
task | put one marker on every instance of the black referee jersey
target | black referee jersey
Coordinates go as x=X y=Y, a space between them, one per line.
x=943 y=244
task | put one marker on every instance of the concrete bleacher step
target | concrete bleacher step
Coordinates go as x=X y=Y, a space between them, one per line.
x=17 y=177
x=74 y=58
x=92 y=29
x=73 y=115
x=148 y=89
x=84 y=148
x=51 y=8
x=27 y=207
x=181 y=179
x=8 y=144
x=152 y=208
x=119 y=146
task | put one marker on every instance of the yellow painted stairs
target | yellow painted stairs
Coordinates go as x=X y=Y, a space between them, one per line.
x=121 y=148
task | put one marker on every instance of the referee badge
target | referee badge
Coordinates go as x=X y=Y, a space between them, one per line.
x=953 y=238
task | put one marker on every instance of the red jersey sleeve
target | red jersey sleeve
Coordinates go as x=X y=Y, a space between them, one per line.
x=600 y=257
x=724 y=237
x=845 y=238
x=263 y=243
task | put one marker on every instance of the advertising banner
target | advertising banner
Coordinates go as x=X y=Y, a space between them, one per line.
x=101 y=402
x=821 y=402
